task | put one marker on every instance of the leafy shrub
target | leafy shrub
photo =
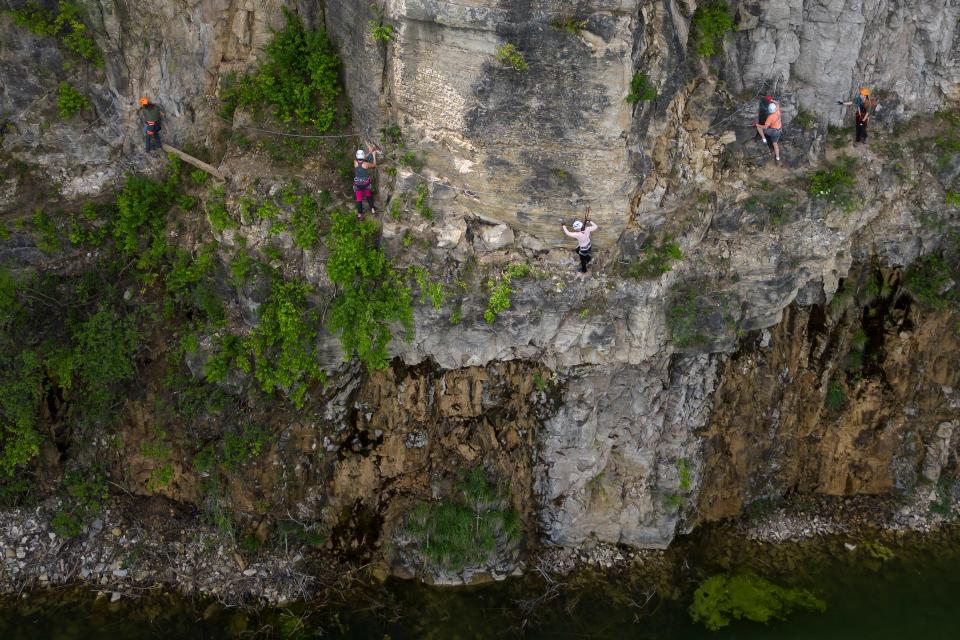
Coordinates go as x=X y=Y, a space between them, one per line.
x=372 y=294
x=45 y=232
x=711 y=23
x=541 y=383
x=928 y=279
x=410 y=159
x=305 y=219
x=499 y=301
x=836 y=184
x=721 y=599
x=238 y=449
x=66 y=26
x=500 y=290
x=466 y=530
x=380 y=32
x=230 y=353
x=510 y=56
x=656 y=259
x=240 y=267
x=21 y=389
x=299 y=79
x=217 y=213
x=428 y=289
x=570 y=24
x=283 y=345
x=70 y=101
x=142 y=208
x=640 y=89
x=103 y=355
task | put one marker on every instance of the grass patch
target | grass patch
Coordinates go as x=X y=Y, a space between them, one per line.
x=656 y=261
x=467 y=529
x=835 y=397
x=835 y=184
x=804 y=119
x=774 y=206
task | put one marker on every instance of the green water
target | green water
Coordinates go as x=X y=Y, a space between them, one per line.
x=913 y=595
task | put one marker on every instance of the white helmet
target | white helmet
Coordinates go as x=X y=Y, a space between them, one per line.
x=360 y=154
x=772 y=108
x=577 y=225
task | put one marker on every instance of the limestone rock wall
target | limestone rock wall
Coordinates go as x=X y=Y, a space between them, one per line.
x=645 y=424
x=824 y=49
x=819 y=404
x=528 y=143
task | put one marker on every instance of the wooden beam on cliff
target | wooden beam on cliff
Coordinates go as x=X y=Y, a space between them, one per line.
x=199 y=164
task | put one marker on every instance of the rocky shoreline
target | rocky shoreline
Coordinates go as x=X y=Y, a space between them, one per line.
x=120 y=556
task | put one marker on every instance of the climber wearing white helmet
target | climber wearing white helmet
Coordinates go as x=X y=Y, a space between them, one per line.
x=771 y=128
x=362 y=163
x=583 y=241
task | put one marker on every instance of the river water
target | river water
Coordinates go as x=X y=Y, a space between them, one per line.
x=915 y=594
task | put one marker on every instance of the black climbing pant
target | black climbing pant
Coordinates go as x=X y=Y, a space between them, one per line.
x=585 y=259
x=861 y=132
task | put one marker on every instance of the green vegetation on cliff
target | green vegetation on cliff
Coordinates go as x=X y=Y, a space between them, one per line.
x=372 y=295
x=711 y=23
x=466 y=529
x=299 y=79
x=66 y=25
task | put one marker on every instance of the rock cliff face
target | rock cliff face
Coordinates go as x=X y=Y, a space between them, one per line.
x=683 y=396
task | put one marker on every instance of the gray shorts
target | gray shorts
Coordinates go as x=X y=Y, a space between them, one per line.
x=773 y=135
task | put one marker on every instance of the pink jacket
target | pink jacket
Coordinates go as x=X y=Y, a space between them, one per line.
x=583 y=237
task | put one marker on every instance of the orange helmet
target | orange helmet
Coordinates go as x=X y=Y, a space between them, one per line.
x=864 y=91
x=144 y=102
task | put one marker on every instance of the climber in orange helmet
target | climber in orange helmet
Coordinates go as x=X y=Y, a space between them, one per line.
x=865 y=107
x=151 y=116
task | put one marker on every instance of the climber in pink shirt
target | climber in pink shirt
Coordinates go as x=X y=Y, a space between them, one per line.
x=583 y=241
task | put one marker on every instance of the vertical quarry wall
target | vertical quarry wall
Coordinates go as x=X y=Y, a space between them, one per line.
x=647 y=430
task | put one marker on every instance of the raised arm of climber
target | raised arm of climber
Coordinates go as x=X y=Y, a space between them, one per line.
x=363 y=163
x=583 y=241
x=151 y=116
